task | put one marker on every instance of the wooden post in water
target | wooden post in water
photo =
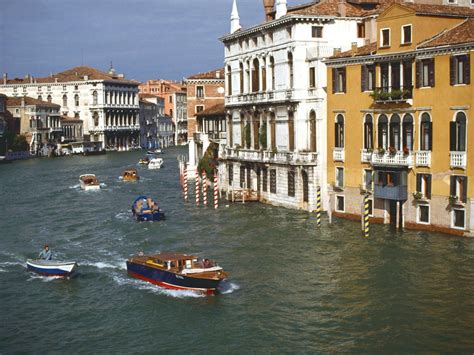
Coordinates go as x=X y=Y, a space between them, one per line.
x=318 y=206
x=185 y=181
x=365 y=229
x=216 y=188
x=197 y=188
x=204 y=188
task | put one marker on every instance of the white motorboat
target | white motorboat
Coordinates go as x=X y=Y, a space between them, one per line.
x=155 y=163
x=89 y=182
x=51 y=267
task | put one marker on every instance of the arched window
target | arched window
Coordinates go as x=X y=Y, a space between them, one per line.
x=229 y=80
x=458 y=133
x=64 y=100
x=382 y=132
x=255 y=78
x=76 y=100
x=272 y=69
x=312 y=131
x=395 y=131
x=272 y=131
x=290 y=70
x=241 y=77
x=247 y=72
x=50 y=99
x=40 y=97
x=407 y=132
x=291 y=131
x=426 y=132
x=339 y=131
x=368 y=132
x=96 y=119
x=94 y=98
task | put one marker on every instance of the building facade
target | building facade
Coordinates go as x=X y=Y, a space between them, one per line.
x=106 y=103
x=276 y=97
x=399 y=112
x=204 y=90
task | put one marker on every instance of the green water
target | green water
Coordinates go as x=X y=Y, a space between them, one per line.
x=292 y=287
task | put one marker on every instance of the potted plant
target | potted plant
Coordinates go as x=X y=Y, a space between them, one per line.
x=406 y=151
x=453 y=199
x=380 y=151
x=392 y=150
x=417 y=195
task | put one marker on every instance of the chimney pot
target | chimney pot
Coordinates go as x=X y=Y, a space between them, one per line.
x=336 y=51
x=5 y=78
x=341 y=8
x=354 y=48
x=268 y=5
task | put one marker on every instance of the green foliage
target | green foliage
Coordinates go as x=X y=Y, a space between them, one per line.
x=247 y=136
x=13 y=142
x=209 y=161
x=263 y=136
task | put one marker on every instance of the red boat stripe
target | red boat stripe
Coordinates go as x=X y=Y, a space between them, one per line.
x=167 y=285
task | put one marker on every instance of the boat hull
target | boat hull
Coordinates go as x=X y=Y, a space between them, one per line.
x=89 y=187
x=171 y=280
x=152 y=216
x=52 y=268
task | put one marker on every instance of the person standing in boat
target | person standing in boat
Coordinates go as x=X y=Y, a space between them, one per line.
x=45 y=253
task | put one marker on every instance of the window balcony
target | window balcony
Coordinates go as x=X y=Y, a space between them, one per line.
x=338 y=154
x=423 y=158
x=397 y=193
x=388 y=94
x=458 y=159
x=392 y=159
x=289 y=158
x=366 y=155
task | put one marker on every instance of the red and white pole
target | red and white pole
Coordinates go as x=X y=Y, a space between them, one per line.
x=216 y=190
x=197 y=188
x=185 y=182
x=204 y=188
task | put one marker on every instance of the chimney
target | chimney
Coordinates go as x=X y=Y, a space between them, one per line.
x=218 y=74
x=5 y=78
x=86 y=77
x=280 y=8
x=336 y=51
x=268 y=6
x=353 y=48
x=341 y=8
x=55 y=80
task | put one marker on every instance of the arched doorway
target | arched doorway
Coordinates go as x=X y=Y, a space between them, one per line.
x=304 y=176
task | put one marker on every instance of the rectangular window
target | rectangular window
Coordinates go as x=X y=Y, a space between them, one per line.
x=291 y=183
x=371 y=207
x=273 y=180
x=264 y=179
x=385 y=37
x=459 y=218
x=459 y=72
x=458 y=187
x=231 y=174
x=368 y=179
x=338 y=80
x=199 y=91
x=425 y=73
x=340 y=203
x=367 y=80
x=288 y=32
x=312 y=77
x=317 y=31
x=406 y=34
x=242 y=176
x=339 y=177
x=171 y=99
x=423 y=215
x=199 y=108
x=361 y=30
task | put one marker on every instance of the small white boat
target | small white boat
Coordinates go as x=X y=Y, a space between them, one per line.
x=89 y=182
x=51 y=267
x=155 y=163
x=155 y=151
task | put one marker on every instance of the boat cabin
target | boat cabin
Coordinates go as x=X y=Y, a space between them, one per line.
x=130 y=175
x=179 y=262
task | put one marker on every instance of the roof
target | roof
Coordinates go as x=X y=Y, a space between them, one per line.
x=461 y=33
x=211 y=74
x=167 y=256
x=74 y=74
x=67 y=119
x=216 y=110
x=29 y=101
x=359 y=51
x=440 y=10
x=327 y=8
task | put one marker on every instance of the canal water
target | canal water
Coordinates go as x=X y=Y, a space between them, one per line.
x=292 y=287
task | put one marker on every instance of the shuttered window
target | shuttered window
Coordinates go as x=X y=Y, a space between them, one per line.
x=242 y=176
x=231 y=174
x=367 y=80
x=423 y=185
x=338 y=80
x=425 y=73
x=459 y=70
x=264 y=179
x=458 y=187
x=291 y=183
x=273 y=180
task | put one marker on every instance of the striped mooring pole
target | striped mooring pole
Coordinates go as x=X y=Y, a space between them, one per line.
x=204 y=188
x=185 y=181
x=366 y=216
x=197 y=188
x=318 y=206
x=216 y=190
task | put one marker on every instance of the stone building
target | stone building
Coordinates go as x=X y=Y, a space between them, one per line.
x=106 y=103
x=399 y=112
x=204 y=90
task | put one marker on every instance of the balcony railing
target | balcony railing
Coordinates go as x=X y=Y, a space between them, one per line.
x=392 y=94
x=366 y=156
x=397 y=193
x=423 y=158
x=291 y=158
x=394 y=159
x=338 y=154
x=458 y=159
x=257 y=97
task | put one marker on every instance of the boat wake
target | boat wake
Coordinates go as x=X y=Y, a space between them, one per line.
x=228 y=287
x=77 y=186
x=119 y=265
x=145 y=286
x=7 y=264
x=123 y=216
x=45 y=278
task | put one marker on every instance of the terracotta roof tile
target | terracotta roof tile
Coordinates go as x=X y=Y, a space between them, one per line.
x=327 y=8
x=359 y=52
x=462 y=33
x=216 y=110
x=209 y=75
x=441 y=10
x=16 y=101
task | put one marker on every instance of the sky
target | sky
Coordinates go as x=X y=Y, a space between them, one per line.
x=144 y=39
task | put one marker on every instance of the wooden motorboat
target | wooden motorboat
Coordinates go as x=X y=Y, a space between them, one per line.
x=130 y=175
x=177 y=271
x=51 y=267
x=155 y=163
x=145 y=209
x=144 y=161
x=154 y=151
x=89 y=182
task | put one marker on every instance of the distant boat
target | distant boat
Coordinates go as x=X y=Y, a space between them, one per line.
x=51 y=267
x=154 y=151
x=144 y=161
x=89 y=182
x=145 y=209
x=130 y=175
x=155 y=163
x=177 y=271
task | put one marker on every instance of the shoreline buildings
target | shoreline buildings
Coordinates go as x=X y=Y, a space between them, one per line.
x=106 y=103
x=399 y=112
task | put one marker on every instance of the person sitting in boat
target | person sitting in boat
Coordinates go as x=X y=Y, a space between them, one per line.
x=45 y=253
x=207 y=263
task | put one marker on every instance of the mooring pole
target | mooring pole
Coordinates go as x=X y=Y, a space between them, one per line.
x=366 y=226
x=204 y=188
x=318 y=206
